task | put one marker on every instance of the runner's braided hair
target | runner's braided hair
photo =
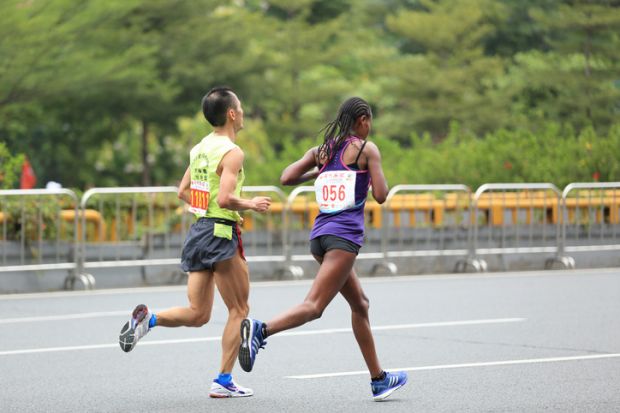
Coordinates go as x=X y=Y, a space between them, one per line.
x=341 y=128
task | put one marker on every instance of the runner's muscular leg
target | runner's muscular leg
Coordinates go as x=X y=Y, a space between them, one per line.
x=200 y=294
x=332 y=275
x=233 y=282
x=354 y=294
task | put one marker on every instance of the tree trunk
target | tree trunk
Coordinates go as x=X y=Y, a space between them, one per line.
x=146 y=170
x=588 y=68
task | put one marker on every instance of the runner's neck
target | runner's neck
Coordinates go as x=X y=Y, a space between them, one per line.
x=226 y=130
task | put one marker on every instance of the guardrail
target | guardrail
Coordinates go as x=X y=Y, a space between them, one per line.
x=300 y=213
x=265 y=234
x=45 y=230
x=302 y=210
x=427 y=227
x=41 y=240
x=590 y=221
x=134 y=230
x=141 y=230
x=531 y=227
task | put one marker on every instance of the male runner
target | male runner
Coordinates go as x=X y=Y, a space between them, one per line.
x=213 y=251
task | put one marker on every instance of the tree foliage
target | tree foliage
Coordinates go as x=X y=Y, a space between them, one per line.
x=107 y=93
x=10 y=167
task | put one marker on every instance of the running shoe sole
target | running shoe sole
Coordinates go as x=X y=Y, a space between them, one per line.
x=127 y=336
x=220 y=396
x=223 y=393
x=227 y=396
x=388 y=392
x=245 y=348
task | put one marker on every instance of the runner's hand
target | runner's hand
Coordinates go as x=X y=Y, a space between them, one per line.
x=261 y=203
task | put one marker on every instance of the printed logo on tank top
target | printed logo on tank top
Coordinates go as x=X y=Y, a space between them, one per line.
x=199 y=186
x=335 y=190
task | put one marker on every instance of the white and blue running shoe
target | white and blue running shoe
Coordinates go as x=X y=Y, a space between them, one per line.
x=232 y=389
x=135 y=328
x=381 y=390
x=251 y=340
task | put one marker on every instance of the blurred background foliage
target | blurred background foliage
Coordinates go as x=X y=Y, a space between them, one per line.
x=464 y=91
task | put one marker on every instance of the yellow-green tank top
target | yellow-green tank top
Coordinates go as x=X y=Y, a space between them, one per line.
x=204 y=159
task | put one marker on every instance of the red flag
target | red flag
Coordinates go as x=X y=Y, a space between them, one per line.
x=29 y=179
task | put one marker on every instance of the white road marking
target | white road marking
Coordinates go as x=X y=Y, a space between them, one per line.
x=62 y=317
x=283 y=334
x=406 y=326
x=77 y=316
x=465 y=365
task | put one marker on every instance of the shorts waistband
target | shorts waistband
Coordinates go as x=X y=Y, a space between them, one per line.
x=217 y=220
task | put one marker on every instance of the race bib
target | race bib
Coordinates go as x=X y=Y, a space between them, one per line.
x=335 y=190
x=199 y=192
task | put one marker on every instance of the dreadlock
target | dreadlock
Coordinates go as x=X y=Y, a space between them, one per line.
x=339 y=129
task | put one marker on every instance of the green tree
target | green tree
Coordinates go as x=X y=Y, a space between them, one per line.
x=576 y=81
x=447 y=76
x=69 y=74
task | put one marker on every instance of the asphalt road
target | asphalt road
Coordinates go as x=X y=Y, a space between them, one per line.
x=509 y=342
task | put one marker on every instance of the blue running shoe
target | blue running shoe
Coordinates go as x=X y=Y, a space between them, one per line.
x=381 y=390
x=251 y=340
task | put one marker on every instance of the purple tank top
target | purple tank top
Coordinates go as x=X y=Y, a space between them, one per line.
x=349 y=222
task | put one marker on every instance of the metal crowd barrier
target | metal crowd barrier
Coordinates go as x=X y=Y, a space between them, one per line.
x=146 y=226
x=265 y=234
x=590 y=219
x=382 y=222
x=516 y=219
x=138 y=228
x=423 y=221
x=43 y=234
x=301 y=210
x=50 y=230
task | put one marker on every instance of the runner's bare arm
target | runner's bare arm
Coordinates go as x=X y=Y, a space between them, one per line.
x=301 y=170
x=183 y=192
x=230 y=165
x=377 y=178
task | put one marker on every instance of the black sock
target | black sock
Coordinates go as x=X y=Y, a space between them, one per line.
x=379 y=377
x=263 y=330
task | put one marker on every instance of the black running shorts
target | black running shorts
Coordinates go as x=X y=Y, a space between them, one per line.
x=210 y=240
x=321 y=244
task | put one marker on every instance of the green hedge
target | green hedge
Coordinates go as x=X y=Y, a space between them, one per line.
x=556 y=154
